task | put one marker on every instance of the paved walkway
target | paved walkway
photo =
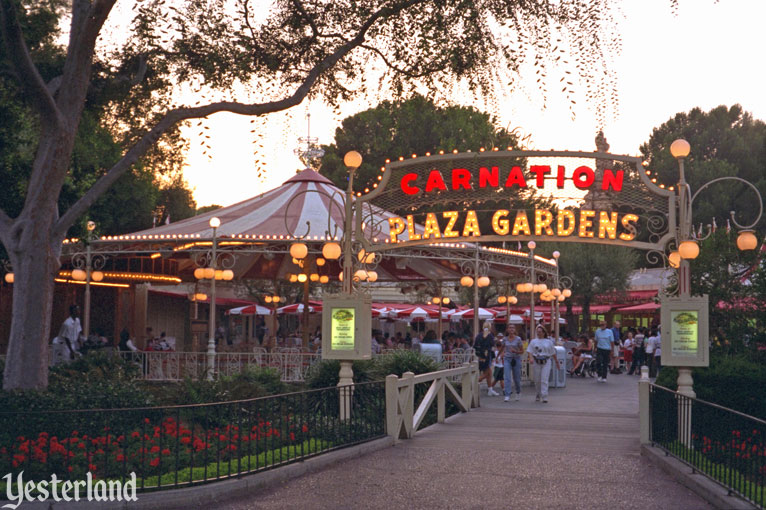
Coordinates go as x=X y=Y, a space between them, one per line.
x=579 y=451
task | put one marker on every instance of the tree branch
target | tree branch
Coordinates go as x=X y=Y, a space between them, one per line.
x=29 y=78
x=398 y=69
x=180 y=114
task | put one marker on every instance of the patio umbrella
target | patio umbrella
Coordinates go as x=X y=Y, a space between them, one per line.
x=484 y=314
x=297 y=308
x=416 y=312
x=250 y=310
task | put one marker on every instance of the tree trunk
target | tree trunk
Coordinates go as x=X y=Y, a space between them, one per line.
x=586 y=315
x=27 y=356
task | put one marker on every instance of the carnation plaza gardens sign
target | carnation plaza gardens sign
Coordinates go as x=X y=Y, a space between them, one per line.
x=591 y=197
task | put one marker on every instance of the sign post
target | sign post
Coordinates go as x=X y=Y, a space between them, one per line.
x=346 y=336
x=685 y=335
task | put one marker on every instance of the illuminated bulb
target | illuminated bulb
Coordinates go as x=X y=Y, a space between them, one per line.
x=228 y=274
x=200 y=296
x=314 y=277
x=353 y=159
x=466 y=281
x=340 y=276
x=9 y=277
x=324 y=279
x=302 y=277
x=747 y=240
x=299 y=250
x=502 y=299
x=561 y=298
x=366 y=258
x=436 y=300
x=219 y=274
x=689 y=250
x=267 y=299
x=96 y=276
x=372 y=276
x=680 y=148
x=445 y=301
x=360 y=275
x=566 y=293
x=483 y=281
x=209 y=273
x=320 y=262
x=214 y=222
x=331 y=251
x=199 y=273
x=531 y=245
x=276 y=299
x=520 y=287
x=513 y=300
x=293 y=278
x=79 y=275
x=556 y=292
x=674 y=259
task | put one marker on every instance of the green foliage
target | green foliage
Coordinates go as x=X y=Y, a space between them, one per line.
x=724 y=142
x=405 y=127
x=734 y=382
x=594 y=270
x=324 y=374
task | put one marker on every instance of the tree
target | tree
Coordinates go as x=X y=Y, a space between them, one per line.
x=724 y=142
x=401 y=128
x=294 y=50
x=594 y=270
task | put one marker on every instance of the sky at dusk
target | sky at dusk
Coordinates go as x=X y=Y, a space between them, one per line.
x=705 y=55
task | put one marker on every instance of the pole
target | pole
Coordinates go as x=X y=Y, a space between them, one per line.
x=532 y=295
x=440 y=311
x=507 y=306
x=306 y=313
x=476 y=294
x=86 y=316
x=211 y=319
x=556 y=305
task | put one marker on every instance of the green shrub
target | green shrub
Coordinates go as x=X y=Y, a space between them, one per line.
x=734 y=382
x=325 y=373
x=400 y=361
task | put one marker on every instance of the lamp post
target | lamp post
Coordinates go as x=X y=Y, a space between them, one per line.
x=214 y=224
x=475 y=267
x=86 y=315
x=555 y=301
x=531 y=245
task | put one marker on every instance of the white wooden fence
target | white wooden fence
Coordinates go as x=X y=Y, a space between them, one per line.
x=403 y=420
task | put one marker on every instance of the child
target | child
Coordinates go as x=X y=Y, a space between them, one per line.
x=497 y=365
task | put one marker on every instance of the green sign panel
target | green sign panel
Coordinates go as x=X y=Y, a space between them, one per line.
x=342 y=329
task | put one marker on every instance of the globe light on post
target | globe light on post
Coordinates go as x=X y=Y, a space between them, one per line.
x=483 y=281
x=314 y=277
x=331 y=251
x=466 y=281
x=531 y=245
x=302 y=277
x=228 y=275
x=689 y=250
x=561 y=298
x=446 y=301
x=680 y=148
x=199 y=273
x=360 y=275
x=566 y=293
x=9 y=278
x=91 y=226
x=556 y=292
x=352 y=159
x=97 y=276
x=298 y=251
x=320 y=261
x=209 y=273
x=502 y=299
x=324 y=279
x=372 y=276
x=365 y=257
x=276 y=299
x=214 y=222
x=79 y=275
x=219 y=274
x=436 y=300
x=674 y=259
x=293 y=278
x=267 y=299
x=746 y=240
x=513 y=300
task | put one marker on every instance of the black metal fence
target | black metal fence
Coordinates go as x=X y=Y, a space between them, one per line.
x=723 y=444
x=183 y=445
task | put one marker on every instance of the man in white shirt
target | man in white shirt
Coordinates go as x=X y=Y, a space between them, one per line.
x=66 y=345
x=540 y=351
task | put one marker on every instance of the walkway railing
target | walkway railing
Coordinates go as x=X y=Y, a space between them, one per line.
x=403 y=419
x=723 y=444
x=185 y=445
x=292 y=364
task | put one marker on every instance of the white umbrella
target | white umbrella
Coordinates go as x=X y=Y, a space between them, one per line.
x=484 y=314
x=250 y=310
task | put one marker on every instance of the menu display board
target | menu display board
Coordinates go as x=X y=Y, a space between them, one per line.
x=684 y=333
x=342 y=328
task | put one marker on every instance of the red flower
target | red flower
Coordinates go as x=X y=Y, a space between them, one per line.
x=166 y=451
x=292 y=436
x=92 y=467
x=120 y=457
x=69 y=468
x=305 y=428
x=146 y=420
x=155 y=449
x=185 y=440
x=135 y=434
x=154 y=462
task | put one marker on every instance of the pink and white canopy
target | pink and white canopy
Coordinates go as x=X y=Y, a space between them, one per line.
x=250 y=310
x=415 y=313
x=484 y=314
x=297 y=308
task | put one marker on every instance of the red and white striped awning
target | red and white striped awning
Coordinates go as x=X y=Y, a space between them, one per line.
x=249 y=310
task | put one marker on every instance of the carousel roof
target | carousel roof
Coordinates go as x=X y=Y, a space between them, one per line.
x=308 y=205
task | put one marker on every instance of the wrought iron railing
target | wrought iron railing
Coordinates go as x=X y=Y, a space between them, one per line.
x=720 y=443
x=192 y=444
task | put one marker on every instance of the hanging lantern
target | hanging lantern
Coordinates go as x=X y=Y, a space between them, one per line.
x=209 y=273
x=466 y=281
x=9 y=278
x=96 y=276
x=566 y=293
x=372 y=276
x=228 y=274
x=302 y=277
x=446 y=301
x=556 y=292
x=267 y=299
x=314 y=277
x=331 y=251
x=365 y=257
x=320 y=261
x=436 y=300
x=200 y=296
x=502 y=299
x=79 y=275
x=199 y=273
x=513 y=300
x=483 y=281
x=689 y=250
x=298 y=251
x=324 y=278
x=747 y=240
x=674 y=259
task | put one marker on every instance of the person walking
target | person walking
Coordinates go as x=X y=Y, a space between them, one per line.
x=604 y=345
x=614 y=363
x=540 y=350
x=511 y=352
x=497 y=364
x=66 y=344
x=650 y=345
x=483 y=348
x=638 y=352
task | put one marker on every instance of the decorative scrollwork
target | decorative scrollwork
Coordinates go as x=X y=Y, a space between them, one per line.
x=565 y=282
x=224 y=260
